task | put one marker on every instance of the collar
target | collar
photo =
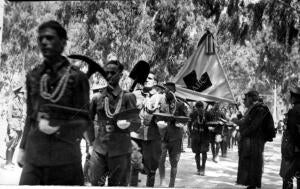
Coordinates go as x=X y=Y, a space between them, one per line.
x=114 y=91
x=54 y=68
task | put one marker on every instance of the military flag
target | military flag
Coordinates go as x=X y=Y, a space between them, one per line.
x=202 y=77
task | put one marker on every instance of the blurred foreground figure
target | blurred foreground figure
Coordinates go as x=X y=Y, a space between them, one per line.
x=57 y=115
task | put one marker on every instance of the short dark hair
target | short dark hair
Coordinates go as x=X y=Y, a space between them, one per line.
x=254 y=94
x=199 y=104
x=117 y=63
x=60 y=30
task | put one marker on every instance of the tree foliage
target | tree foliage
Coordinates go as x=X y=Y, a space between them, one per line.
x=257 y=42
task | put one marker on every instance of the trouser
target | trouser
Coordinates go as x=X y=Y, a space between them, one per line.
x=11 y=146
x=174 y=150
x=70 y=174
x=201 y=167
x=215 y=147
x=189 y=141
x=151 y=151
x=223 y=145
x=288 y=183
x=114 y=168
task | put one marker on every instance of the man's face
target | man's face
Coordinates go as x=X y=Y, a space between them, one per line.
x=50 y=44
x=150 y=82
x=199 y=109
x=113 y=74
x=247 y=101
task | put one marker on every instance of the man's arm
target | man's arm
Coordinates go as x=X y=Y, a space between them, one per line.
x=130 y=101
x=294 y=121
x=29 y=110
x=81 y=100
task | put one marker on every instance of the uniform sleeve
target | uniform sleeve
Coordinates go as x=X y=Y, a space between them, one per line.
x=82 y=101
x=29 y=111
x=130 y=101
x=294 y=122
x=256 y=119
x=9 y=112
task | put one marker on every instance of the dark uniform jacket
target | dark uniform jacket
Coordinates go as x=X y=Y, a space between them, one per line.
x=111 y=140
x=293 y=126
x=290 y=147
x=62 y=147
x=171 y=132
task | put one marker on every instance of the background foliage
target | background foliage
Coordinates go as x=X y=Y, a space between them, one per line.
x=257 y=41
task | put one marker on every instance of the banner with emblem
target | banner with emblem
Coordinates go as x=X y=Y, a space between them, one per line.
x=202 y=77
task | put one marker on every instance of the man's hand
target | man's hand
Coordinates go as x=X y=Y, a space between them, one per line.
x=91 y=149
x=123 y=124
x=211 y=128
x=21 y=157
x=162 y=124
x=180 y=125
x=46 y=128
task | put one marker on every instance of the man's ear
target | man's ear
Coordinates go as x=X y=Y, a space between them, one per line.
x=64 y=42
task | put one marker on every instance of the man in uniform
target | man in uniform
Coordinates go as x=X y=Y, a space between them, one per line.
x=215 y=132
x=200 y=137
x=112 y=147
x=15 y=120
x=172 y=134
x=50 y=147
x=290 y=163
x=147 y=137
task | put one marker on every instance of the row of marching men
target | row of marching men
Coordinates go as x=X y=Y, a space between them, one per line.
x=210 y=128
x=145 y=144
x=157 y=135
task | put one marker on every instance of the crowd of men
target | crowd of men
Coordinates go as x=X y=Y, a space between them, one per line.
x=128 y=133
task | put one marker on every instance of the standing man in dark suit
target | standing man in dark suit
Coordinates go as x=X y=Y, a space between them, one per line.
x=252 y=142
x=50 y=147
x=112 y=147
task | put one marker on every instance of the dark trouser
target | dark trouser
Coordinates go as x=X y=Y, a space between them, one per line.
x=200 y=167
x=11 y=146
x=70 y=174
x=151 y=151
x=115 y=168
x=223 y=145
x=174 y=150
x=215 y=147
x=288 y=183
